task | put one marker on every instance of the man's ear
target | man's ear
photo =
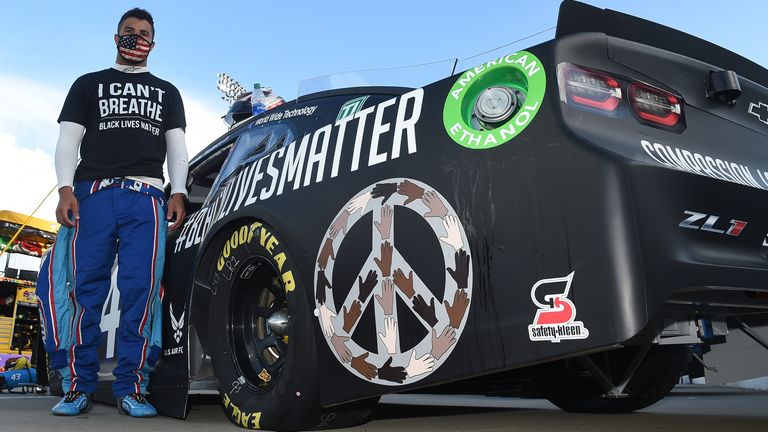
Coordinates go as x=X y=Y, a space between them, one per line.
x=117 y=38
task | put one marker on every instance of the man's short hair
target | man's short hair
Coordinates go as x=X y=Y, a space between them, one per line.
x=138 y=13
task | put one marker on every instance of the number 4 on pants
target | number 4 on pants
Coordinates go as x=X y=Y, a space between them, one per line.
x=110 y=313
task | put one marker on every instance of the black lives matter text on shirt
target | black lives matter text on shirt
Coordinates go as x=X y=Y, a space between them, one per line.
x=125 y=116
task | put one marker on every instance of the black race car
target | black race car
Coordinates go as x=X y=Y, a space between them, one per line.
x=577 y=215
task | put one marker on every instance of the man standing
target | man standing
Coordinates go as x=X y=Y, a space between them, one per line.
x=124 y=121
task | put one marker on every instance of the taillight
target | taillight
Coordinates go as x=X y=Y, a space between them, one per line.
x=654 y=105
x=588 y=87
x=601 y=93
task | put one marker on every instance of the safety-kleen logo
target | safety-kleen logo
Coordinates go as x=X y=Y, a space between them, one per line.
x=554 y=320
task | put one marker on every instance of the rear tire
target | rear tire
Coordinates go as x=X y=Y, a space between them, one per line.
x=571 y=387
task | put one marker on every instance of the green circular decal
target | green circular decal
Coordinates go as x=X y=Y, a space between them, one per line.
x=522 y=72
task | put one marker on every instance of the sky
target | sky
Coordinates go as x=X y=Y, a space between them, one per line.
x=46 y=45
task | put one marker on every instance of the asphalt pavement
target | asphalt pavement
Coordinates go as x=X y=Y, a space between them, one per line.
x=687 y=408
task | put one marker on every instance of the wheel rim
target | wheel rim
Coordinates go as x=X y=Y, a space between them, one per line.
x=259 y=326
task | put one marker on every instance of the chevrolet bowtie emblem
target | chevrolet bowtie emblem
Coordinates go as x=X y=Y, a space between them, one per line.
x=759 y=110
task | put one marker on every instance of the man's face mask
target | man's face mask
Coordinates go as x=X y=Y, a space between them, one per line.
x=133 y=48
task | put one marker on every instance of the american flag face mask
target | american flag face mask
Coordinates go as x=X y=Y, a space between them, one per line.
x=133 y=48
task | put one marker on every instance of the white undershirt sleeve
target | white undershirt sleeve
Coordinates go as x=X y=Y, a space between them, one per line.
x=67 y=147
x=178 y=163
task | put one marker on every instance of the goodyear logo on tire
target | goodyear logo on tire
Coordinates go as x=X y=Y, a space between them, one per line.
x=227 y=263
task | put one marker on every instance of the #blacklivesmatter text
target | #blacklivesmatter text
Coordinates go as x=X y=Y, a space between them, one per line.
x=313 y=158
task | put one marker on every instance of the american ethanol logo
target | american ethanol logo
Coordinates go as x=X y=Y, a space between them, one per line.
x=521 y=72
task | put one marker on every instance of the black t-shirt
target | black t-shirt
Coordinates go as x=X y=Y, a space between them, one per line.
x=125 y=116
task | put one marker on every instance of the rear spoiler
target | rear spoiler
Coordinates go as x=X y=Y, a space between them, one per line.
x=576 y=17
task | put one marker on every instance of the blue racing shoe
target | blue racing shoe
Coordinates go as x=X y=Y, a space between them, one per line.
x=73 y=403
x=135 y=405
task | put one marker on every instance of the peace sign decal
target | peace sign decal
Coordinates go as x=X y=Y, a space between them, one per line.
x=387 y=322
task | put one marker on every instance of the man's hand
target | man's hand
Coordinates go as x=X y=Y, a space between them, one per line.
x=361 y=365
x=176 y=210
x=388 y=372
x=461 y=273
x=366 y=286
x=425 y=311
x=68 y=209
x=351 y=316
x=404 y=283
x=326 y=252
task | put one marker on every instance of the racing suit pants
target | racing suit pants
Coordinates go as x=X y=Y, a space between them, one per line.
x=117 y=217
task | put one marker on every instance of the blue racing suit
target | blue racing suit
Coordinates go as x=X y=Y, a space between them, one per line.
x=120 y=217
